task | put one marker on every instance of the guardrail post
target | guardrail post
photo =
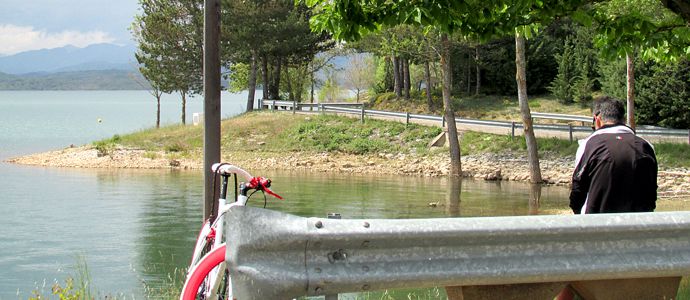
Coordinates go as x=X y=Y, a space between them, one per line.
x=362 y=114
x=512 y=130
x=294 y=106
x=570 y=131
x=688 y=136
x=443 y=121
x=320 y=108
x=261 y=103
x=407 y=118
x=273 y=105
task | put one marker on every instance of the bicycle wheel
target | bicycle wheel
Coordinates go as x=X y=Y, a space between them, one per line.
x=200 y=275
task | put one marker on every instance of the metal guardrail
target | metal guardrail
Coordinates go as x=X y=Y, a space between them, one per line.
x=280 y=256
x=562 y=117
x=571 y=129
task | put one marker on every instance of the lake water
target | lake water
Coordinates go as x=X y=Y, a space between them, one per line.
x=134 y=228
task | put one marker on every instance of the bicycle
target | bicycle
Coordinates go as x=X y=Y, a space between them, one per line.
x=210 y=243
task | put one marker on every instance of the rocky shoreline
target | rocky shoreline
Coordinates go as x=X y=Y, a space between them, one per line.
x=673 y=183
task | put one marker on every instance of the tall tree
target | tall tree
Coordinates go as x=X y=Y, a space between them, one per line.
x=359 y=74
x=658 y=29
x=170 y=45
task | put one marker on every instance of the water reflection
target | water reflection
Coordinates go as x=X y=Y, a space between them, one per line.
x=534 y=198
x=141 y=224
x=453 y=198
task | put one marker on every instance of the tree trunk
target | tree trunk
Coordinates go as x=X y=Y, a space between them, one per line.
x=453 y=143
x=396 y=77
x=389 y=81
x=264 y=75
x=274 y=91
x=469 y=73
x=158 y=109
x=184 y=106
x=630 y=79
x=311 y=97
x=288 y=83
x=427 y=78
x=478 y=82
x=406 y=77
x=520 y=77
x=251 y=88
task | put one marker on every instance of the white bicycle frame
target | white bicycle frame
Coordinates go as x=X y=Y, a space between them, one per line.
x=217 y=226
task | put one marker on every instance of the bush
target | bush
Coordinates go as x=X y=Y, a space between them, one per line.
x=664 y=96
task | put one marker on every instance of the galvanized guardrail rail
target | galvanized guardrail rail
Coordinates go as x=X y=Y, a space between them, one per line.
x=358 y=109
x=275 y=255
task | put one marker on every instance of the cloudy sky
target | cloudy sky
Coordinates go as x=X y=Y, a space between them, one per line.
x=40 y=24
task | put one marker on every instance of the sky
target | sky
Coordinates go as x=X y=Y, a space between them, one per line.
x=43 y=24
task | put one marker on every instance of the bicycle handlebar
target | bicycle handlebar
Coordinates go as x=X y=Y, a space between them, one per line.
x=226 y=169
x=253 y=183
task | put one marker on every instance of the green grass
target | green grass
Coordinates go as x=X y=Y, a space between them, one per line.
x=684 y=289
x=476 y=142
x=279 y=132
x=347 y=135
x=673 y=155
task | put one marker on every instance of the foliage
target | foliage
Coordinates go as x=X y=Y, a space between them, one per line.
x=71 y=289
x=107 y=146
x=576 y=67
x=561 y=86
x=330 y=90
x=238 y=77
x=612 y=77
x=664 y=96
x=359 y=75
x=169 y=34
x=627 y=25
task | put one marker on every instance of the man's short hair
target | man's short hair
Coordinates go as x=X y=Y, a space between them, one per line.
x=609 y=109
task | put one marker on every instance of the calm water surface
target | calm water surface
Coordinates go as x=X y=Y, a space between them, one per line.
x=135 y=227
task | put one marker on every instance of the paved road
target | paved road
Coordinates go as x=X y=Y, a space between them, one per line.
x=540 y=133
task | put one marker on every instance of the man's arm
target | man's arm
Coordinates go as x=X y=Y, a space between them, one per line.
x=580 y=180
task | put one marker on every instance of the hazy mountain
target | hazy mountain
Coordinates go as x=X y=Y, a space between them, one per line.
x=70 y=58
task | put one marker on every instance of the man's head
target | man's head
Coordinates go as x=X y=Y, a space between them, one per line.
x=606 y=111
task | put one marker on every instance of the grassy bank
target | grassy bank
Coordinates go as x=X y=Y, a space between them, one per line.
x=271 y=133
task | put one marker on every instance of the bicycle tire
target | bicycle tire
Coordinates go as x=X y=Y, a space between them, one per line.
x=200 y=271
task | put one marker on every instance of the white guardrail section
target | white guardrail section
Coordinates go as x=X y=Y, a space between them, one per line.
x=273 y=255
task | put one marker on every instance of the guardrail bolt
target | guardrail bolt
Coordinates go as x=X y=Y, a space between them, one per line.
x=318 y=224
x=366 y=224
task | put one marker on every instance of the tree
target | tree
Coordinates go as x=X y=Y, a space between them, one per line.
x=628 y=26
x=483 y=19
x=275 y=35
x=169 y=34
x=359 y=74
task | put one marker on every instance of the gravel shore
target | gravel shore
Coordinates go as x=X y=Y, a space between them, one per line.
x=672 y=182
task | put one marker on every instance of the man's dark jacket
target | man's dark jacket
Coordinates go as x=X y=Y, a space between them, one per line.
x=615 y=171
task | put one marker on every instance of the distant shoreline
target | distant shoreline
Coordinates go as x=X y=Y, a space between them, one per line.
x=487 y=166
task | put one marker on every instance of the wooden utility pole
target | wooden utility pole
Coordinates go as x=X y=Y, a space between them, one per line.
x=211 y=98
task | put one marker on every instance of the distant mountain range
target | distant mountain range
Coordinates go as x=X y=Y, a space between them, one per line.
x=99 y=66
x=70 y=58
